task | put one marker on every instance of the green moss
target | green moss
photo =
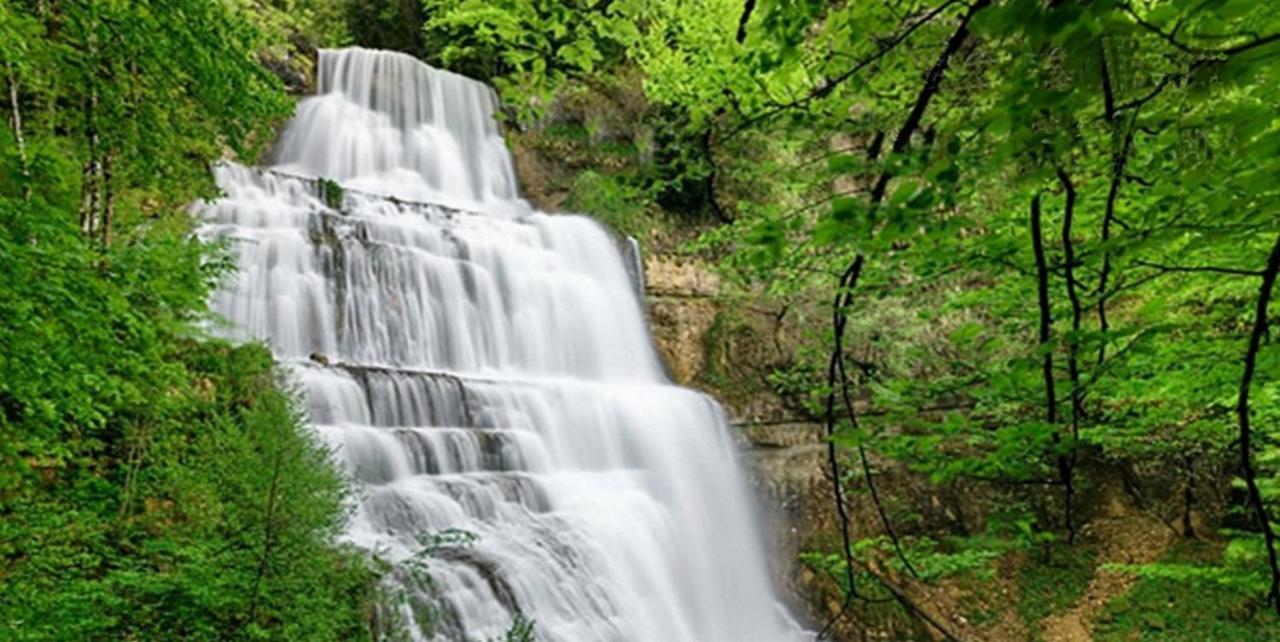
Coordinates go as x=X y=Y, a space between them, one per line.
x=725 y=345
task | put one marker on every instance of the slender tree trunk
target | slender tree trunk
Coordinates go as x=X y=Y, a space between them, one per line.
x=109 y=199
x=1046 y=318
x=1119 y=159
x=1246 y=432
x=1188 y=498
x=268 y=537
x=15 y=120
x=91 y=186
x=1073 y=343
x=1044 y=336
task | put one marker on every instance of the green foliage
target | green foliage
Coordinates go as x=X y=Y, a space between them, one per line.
x=320 y=23
x=521 y=631
x=544 y=56
x=330 y=192
x=392 y=24
x=1052 y=583
x=154 y=483
x=1182 y=601
x=530 y=47
x=1240 y=568
x=616 y=203
x=1159 y=117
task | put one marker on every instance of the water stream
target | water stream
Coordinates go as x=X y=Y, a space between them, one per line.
x=481 y=366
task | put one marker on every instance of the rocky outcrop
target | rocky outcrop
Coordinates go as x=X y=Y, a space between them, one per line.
x=680 y=294
x=294 y=65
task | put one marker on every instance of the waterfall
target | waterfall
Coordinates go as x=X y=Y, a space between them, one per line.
x=483 y=367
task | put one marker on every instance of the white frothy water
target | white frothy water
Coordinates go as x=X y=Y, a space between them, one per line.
x=480 y=366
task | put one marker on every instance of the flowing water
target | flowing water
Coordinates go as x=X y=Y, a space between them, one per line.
x=483 y=367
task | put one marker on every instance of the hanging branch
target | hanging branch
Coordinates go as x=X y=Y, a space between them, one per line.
x=931 y=83
x=1215 y=55
x=911 y=606
x=747 y=8
x=1073 y=346
x=847 y=280
x=1246 y=432
x=835 y=366
x=1172 y=39
x=840 y=320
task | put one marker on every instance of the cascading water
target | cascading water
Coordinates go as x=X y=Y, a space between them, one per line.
x=483 y=367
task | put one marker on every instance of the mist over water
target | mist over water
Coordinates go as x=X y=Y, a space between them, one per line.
x=477 y=365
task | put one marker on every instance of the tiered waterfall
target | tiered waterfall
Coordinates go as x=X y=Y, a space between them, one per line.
x=484 y=368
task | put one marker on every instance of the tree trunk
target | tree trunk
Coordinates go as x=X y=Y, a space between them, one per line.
x=91 y=185
x=15 y=119
x=109 y=200
x=1246 y=432
x=268 y=537
x=1073 y=344
x=1050 y=394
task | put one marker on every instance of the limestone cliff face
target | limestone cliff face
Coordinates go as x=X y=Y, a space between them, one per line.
x=680 y=295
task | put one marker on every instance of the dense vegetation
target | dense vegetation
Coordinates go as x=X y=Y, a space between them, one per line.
x=1030 y=245
x=154 y=483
